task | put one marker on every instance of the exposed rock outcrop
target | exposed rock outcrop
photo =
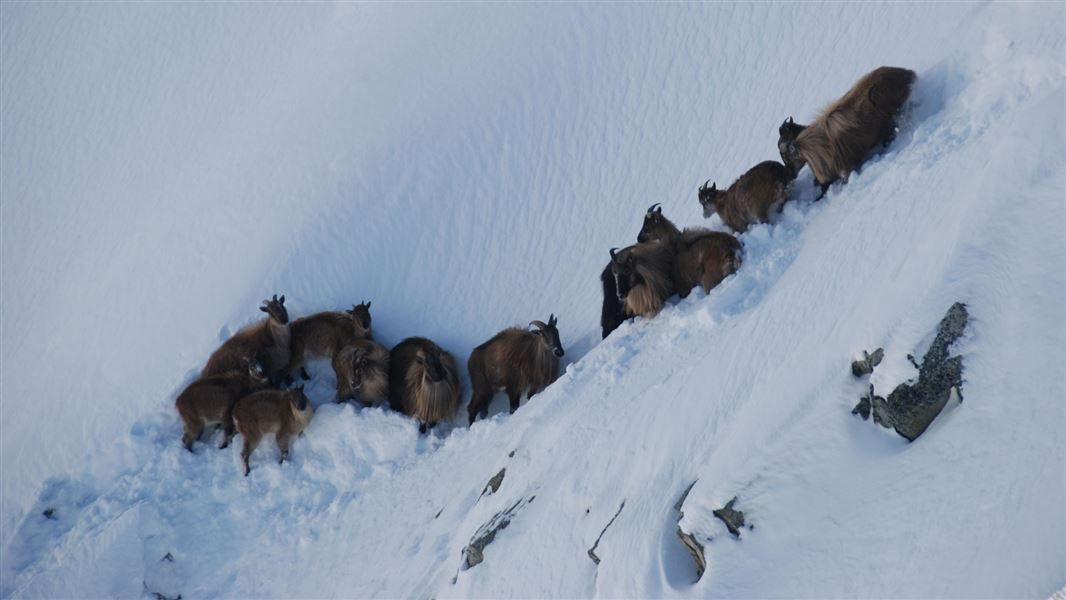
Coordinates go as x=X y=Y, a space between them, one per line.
x=863 y=407
x=494 y=483
x=911 y=407
x=688 y=540
x=474 y=553
x=733 y=519
x=592 y=550
x=868 y=362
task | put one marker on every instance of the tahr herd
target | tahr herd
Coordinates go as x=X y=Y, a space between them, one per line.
x=247 y=385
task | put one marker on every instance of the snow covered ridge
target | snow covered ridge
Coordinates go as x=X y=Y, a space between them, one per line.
x=745 y=391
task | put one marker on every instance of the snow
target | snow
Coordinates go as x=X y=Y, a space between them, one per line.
x=466 y=167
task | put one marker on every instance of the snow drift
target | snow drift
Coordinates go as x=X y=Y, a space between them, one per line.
x=466 y=168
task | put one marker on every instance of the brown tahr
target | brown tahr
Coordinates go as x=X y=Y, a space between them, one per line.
x=323 y=334
x=642 y=277
x=209 y=401
x=700 y=256
x=362 y=370
x=513 y=361
x=285 y=413
x=752 y=198
x=849 y=129
x=423 y=381
x=266 y=342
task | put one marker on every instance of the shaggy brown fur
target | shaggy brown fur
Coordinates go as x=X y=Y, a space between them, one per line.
x=362 y=370
x=752 y=198
x=842 y=137
x=706 y=262
x=266 y=342
x=285 y=413
x=513 y=361
x=700 y=256
x=209 y=401
x=423 y=381
x=642 y=274
x=323 y=334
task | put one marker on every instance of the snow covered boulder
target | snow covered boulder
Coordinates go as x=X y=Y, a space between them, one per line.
x=911 y=407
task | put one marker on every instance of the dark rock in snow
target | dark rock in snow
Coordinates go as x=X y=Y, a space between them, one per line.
x=474 y=553
x=159 y=595
x=494 y=483
x=49 y=513
x=863 y=407
x=912 y=406
x=868 y=362
x=733 y=519
x=688 y=540
x=592 y=550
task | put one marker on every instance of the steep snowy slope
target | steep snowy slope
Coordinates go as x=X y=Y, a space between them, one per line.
x=164 y=168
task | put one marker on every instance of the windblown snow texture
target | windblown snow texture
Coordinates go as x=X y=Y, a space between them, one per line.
x=466 y=167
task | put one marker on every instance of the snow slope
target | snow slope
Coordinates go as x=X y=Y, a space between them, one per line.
x=164 y=167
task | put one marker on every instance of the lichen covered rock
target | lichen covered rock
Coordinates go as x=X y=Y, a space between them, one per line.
x=912 y=406
x=733 y=519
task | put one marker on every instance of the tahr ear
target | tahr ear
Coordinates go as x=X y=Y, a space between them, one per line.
x=282 y=299
x=790 y=121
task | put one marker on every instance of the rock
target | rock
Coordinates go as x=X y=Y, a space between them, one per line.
x=474 y=552
x=592 y=550
x=912 y=406
x=695 y=549
x=863 y=407
x=688 y=540
x=494 y=483
x=50 y=513
x=159 y=595
x=868 y=362
x=733 y=519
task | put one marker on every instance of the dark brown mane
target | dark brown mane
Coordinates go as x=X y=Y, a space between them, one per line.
x=848 y=130
x=266 y=341
x=362 y=370
x=412 y=389
x=514 y=360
